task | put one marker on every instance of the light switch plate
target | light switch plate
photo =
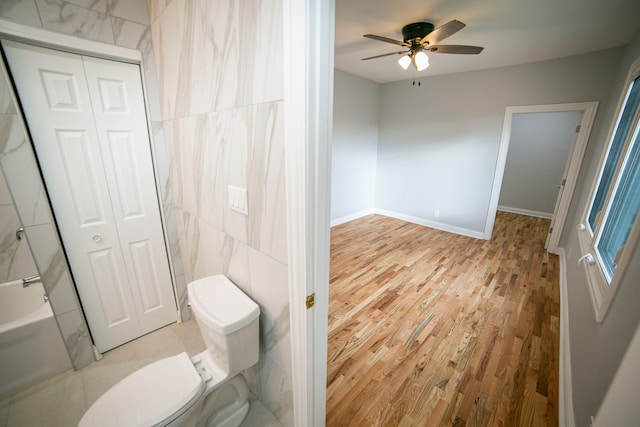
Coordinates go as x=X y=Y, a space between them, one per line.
x=238 y=199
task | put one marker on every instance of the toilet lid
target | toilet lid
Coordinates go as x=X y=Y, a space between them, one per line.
x=221 y=305
x=148 y=396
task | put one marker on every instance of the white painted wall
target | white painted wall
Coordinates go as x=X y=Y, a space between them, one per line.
x=354 y=146
x=438 y=142
x=620 y=406
x=538 y=150
x=597 y=349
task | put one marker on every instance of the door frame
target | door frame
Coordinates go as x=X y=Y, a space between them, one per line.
x=47 y=39
x=588 y=110
x=308 y=103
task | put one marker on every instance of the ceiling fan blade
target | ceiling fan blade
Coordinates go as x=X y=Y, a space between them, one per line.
x=386 y=54
x=385 y=39
x=455 y=48
x=442 y=32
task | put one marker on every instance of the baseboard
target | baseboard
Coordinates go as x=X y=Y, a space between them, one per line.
x=565 y=397
x=431 y=224
x=412 y=219
x=352 y=217
x=527 y=212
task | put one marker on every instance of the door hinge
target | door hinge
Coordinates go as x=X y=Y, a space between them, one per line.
x=550 y=230
x=311 y=300
x=564 y=181
x=578 y=129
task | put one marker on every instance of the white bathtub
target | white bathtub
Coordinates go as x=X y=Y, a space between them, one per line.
x=31 y=347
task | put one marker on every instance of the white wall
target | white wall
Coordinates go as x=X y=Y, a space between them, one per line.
x=538 y=151
x=354 y=145
x=620 y=406
x=439 y=141
x=597 y=348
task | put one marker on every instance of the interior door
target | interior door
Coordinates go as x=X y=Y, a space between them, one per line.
x=87 y=120
x=561 y=186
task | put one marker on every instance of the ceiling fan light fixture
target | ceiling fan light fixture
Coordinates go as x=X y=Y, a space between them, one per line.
x=404 y=61
x=421 y=61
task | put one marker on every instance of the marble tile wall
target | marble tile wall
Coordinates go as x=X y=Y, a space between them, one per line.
x=16 y=261
x=119 y=22
x=220 y=81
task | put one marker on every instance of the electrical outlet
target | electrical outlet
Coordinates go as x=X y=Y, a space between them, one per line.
x=238 y=199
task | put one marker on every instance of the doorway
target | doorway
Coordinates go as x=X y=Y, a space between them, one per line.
x=88 y=125
x=587 y=110
x=539 y=147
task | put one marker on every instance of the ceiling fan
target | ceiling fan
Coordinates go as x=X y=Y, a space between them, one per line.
x=420 y=37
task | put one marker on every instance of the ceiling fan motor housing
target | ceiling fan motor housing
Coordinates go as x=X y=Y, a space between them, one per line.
x=417 y=30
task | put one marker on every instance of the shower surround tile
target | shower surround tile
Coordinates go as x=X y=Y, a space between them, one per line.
x=270 y=289
x=235 y=264
x=212 y=171
x=131 y=10
x=7 y=107
x=188 y=158
x=168 y=35
x=5 y=195
x=21 y=172
x=127 y=33
x=260 y=33
x=267 y=198
x=237 y=43
x=52 y=265
x=15 y=259
x=68 y=18
x=207 y=250
x=23 y=11
x=236 y=140
x=97 y=5
x=276 y=391
x=76 y=337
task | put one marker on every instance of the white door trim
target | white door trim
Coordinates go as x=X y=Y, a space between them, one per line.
x=44 y=38
x=308 y=102
x=589 y=113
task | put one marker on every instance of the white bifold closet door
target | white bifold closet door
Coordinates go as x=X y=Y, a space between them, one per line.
x=87 y=120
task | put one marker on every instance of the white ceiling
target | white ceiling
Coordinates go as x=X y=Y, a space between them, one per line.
x=511 y=32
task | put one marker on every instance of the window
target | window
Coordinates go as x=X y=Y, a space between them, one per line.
x=611 y=220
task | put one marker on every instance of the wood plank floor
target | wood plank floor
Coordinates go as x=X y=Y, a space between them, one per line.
x=428 y=328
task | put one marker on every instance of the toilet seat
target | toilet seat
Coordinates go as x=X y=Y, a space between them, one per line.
x=153 y=395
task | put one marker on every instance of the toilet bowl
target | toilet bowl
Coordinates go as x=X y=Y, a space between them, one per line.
x=206 y=390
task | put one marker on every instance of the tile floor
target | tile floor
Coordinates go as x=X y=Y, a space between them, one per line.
x=61 y=400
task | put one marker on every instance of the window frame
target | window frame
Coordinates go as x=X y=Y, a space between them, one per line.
x=601 y=290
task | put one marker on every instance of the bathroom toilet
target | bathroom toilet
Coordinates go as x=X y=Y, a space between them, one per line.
x=206 y=390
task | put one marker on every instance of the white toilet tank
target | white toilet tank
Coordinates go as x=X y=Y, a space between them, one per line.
x=228 y=321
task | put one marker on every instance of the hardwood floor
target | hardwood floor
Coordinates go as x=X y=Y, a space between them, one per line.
x=428 y=328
